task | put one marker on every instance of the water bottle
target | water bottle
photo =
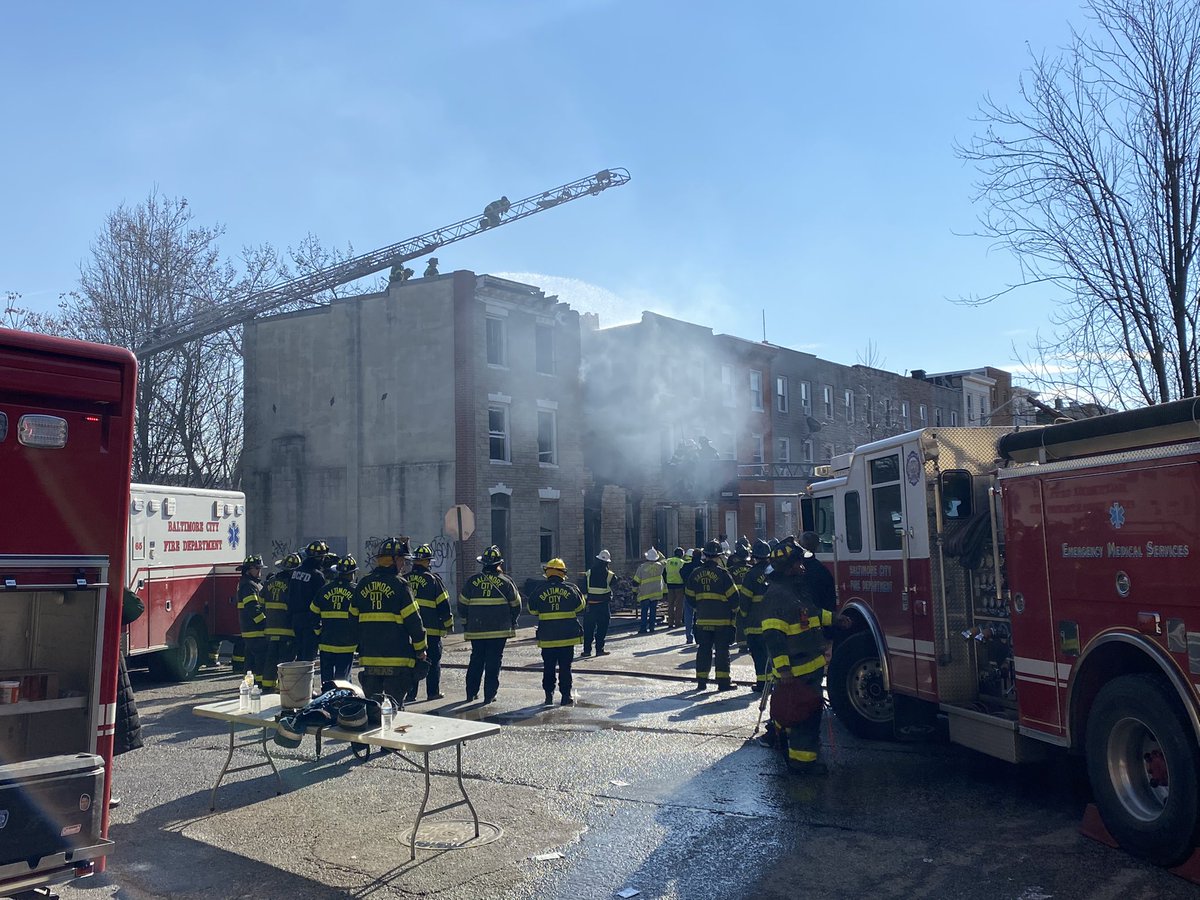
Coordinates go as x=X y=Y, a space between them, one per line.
x=244 y=696
x=255 y=699
x=387 y=714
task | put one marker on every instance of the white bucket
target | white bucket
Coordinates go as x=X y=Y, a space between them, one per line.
x=10 y=691
x=295 y=684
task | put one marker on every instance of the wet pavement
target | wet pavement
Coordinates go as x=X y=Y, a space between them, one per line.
x=645 y=784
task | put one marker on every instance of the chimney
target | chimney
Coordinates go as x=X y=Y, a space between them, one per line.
x=918 y=374
x=1058 y=402
x=590 y=321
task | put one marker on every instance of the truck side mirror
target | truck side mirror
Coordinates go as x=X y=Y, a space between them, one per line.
x=957 y=494
x=898 y=523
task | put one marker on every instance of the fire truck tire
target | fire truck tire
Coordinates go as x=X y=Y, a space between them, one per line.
x=1135 y=734
x=183 y=662
x=856 y=688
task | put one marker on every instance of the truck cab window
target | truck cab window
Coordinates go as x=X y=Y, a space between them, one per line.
x=854 y=541
x=956 y=494
x=886 y=502
x=823 y=524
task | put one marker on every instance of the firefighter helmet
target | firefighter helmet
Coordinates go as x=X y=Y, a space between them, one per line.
x=761 y=550
x=423 y=552
x=291 y=561
x=316 y=550
x=491 y=556
x=397 y=548
x=347 y=565
x=604 y=556
x=252 y=562
x=555 y=565
x=711 y=549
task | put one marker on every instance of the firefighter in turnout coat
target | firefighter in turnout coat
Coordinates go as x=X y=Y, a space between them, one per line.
x=280 y=637
x=558 y=604
x=391 y=638
x=738 y=565
x=252 y=616
x=436 y=614
x=306 y=584
x=488 y=607
x=791 y=628
x=337 y=629
x=753 y=589
x=712 y=589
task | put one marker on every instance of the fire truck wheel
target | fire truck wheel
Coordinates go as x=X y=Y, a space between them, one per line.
x=183 y=662
x=1142 y=763
x=856 y=689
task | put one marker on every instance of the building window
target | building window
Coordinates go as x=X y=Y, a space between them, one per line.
x=726 y=447
x=756 y=443
x=887 y=411
x=827 y=402
x=501 y=503
x=953 y=417
x=827 y=453
x=498 y=442
x=937 y=416
x=547 y=437
x=923 y=414
x=784 y=454
x=728 y=391
x=806 y=398
x=544 y=349
x=848 y=405
x=870 y=410
x=970 y=410
x=756 y=391
x=497 y=347
x=760 y=521
x=984 y=414
x=904 y=411
x=548 y=533
x=781 y=393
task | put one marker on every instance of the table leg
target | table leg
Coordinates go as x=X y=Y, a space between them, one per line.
x=412 y=842
x=271 y=760
x=463 y=789
x=212 y=800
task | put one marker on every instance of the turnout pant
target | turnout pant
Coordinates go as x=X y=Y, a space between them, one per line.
x=710 y=641
x=595 y=625
x=279 y=649
x=256 y=657
x=335 y=666
x=649 y=615
x=433 y=680
x=486 y=656
x=674 y=605
x=394 y=681
x=238 y=657
x=804 y=739
x=762 y=663
x=557 y=658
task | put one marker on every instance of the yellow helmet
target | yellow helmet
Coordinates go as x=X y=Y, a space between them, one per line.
x=555 y=565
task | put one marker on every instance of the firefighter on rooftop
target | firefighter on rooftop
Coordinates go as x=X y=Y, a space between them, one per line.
x=712 y=589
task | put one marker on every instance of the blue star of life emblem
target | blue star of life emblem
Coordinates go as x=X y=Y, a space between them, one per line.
x=1116 y=515
x=235 y=534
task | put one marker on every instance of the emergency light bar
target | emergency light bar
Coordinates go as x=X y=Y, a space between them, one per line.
x=48 y=432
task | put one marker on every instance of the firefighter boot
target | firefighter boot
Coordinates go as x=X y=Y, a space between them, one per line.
x=549 y=698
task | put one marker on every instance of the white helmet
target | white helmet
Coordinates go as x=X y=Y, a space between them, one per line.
x=652 y=555
x=604 y=556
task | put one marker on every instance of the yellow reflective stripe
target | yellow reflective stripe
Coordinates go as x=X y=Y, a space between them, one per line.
x=387 y=661
x=811 y=666
x=781 y=662
x=280 y=632
x=254 y=634
x=760 y=678
x=335 y=614
x=410 y=610
x=271 y=605
x=435 y=632
x=419 y=645
x=753 y=629
x=715 y=623
x=338 y=648
x=802 y=755
x=775 y=625
x=600 y=590
x=546 y=617
x=722 y=675
x=826 y=617
x=478 y=635
x=501 y=601
x=813 y=622
x=709 y=595
x=563 y=643
x=378 y=617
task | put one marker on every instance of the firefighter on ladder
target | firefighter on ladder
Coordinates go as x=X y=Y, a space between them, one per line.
x=753 y=588
x=278 y=624
x=792 y=631
x=437 y=616
x=711 y=588
x=252 y=616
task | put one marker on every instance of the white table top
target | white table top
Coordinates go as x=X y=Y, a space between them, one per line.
x=423 y=733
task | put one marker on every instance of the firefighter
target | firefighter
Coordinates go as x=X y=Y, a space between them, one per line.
x=305 y=586
x=436 y=615
x=488 y=607
x=337 y=629
x=739 y=565
x=711 y=588
x=689 y=605
x=674 y=564
x=431 y=268
x=824 y=590
x=752 y=589
x=598 y=582
x=278 y=626
x=391 y=638
x=252 y=614
x=648 y=580
x=558 y=605
x=791 y=628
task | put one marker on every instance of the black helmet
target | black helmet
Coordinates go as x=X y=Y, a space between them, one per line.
x=423 y=552
x=711 y=549
x=251 y=562
x=397 y=548
x=291 y=561
x=491 y=556
x=316 y=549
x=761 y=550
x=347 y=565
x=678 y=551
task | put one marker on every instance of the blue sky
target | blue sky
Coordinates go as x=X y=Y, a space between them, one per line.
x=796 y=157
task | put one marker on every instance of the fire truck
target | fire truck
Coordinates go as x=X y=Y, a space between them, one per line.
x=1036 y=588
x=66 y=443
x=185 y=547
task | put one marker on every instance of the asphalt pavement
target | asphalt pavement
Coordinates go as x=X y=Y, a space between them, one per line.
x=646 y=784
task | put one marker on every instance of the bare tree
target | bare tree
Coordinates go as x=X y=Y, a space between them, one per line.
x=20 y=318
x=1093 y=182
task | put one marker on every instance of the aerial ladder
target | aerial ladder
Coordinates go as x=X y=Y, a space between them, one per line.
x=227 y=315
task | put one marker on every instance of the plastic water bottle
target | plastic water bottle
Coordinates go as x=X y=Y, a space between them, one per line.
x=244 y=695
x=255 y=699
x=387 y=714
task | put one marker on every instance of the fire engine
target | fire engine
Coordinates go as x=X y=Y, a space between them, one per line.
x=185 y=547
x=1036 y=588
x=66 y=444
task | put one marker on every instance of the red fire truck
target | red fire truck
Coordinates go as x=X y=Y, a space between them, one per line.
x=66 y=439
x=1035 y=587
x=185 y=549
